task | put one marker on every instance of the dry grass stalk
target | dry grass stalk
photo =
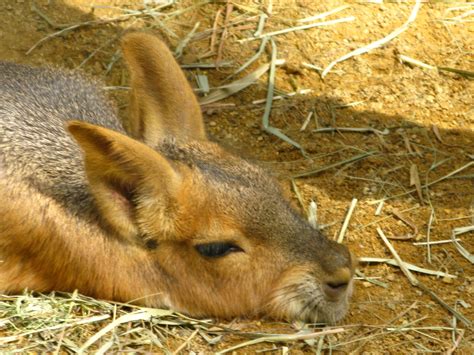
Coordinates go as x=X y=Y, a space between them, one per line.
x=463 y=251
x=228 y=12
x=88 y=320
x=251 y=60
x=351 y=129
x=306 y=121
x=182 y=346
x=304 y=335
x=299 y=28
x=351 y=209
x=452 y=173
x=456 y=343
x=381 y=331
x=415 y=181
x=440 y=139
x=281 y=97
x=67 y=28
x=377 y=43
x=206 y=65
x=412 y=61
x=409 y=266
x=323 y=15
x=184 y=42
x=142 y=315
x=268 y=106
x=261 y=25
x=436 y=242
x=313 y=214
x=212 y=45
x=236 y=86
x=102 y=46
x=210 y=33
x=466 y=16
x=297 y=193
x=343 y=162
x=372 y=280
x=408 y=222
x=415 y=282
x=428 y=233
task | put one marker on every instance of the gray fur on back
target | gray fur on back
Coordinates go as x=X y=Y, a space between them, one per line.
x=35 y=146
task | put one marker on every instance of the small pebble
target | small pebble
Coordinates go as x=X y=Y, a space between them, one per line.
x=447 y=280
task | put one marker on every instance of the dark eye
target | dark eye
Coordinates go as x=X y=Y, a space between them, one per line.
x=216 y=250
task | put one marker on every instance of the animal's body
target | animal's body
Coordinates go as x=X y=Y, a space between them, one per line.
x=153 y=212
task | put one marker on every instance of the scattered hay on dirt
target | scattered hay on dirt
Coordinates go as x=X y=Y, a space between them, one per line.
x=375 y=106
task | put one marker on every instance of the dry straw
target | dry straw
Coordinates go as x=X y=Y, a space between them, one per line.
x=377 y=43
x=71 y=323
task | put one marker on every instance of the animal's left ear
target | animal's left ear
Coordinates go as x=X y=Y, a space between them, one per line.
x=162 y=101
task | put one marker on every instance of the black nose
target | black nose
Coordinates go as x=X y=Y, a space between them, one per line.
x=335 y=290
x=335 y=286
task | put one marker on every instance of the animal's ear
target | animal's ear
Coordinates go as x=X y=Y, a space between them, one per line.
x=162 y=102
x=123 y=174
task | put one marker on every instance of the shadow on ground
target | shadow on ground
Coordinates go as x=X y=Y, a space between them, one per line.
x=95 y=49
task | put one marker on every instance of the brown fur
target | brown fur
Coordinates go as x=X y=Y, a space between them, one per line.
x=159 y=87
x=124 y=218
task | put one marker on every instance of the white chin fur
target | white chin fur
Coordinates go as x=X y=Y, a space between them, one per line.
x=307 y=303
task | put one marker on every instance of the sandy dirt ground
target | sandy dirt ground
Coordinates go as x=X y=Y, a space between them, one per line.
x=420 y=126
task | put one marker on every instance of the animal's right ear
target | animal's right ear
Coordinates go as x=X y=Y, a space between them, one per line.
x=123 y=174
x=162 y=101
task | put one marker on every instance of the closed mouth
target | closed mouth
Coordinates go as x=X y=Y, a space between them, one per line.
x=306 y=300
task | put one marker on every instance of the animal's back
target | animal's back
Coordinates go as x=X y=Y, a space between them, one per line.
x=34 y=144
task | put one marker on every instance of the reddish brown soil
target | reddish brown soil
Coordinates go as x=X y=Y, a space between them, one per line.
x=409 y=101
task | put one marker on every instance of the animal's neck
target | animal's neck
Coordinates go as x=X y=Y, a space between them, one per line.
x=45 y=249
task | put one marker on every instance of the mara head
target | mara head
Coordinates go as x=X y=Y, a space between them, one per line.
x=219 y=237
